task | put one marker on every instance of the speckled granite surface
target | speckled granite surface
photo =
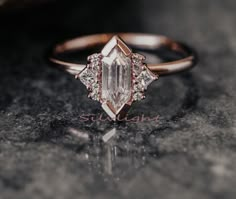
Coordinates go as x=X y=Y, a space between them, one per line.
x=46 y=151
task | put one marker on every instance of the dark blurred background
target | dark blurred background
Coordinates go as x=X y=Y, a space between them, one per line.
x=47 y=152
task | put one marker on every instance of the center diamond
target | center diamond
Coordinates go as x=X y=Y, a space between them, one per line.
x=116 y=79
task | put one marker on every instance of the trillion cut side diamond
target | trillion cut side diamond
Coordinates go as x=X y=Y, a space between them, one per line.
x=87 y=77
x=146 y=78
x=116 y=79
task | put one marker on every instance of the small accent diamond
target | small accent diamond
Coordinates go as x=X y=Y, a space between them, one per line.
x=95 y=65
x=139 y=57
x=138 y=96
x=95 y=57
x=137 y=69
x=94 y=94
x=138 y=87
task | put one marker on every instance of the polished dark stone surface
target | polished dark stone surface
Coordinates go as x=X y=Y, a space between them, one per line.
x=46 y=151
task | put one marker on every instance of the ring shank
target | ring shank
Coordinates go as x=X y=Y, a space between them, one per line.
x=143 y=41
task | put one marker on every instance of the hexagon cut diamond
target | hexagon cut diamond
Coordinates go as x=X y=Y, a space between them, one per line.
x=116 y=78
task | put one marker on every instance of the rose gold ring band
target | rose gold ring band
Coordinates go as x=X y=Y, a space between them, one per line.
x=137 y=40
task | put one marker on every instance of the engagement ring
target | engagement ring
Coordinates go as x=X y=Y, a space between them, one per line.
x=116 y=76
